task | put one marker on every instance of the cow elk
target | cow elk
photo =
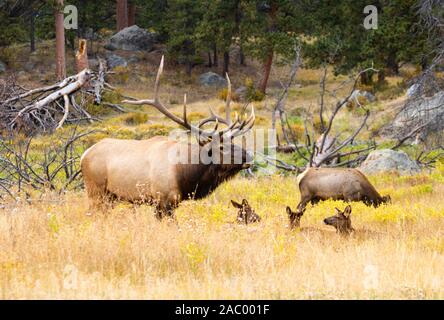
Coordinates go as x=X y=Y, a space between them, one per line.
x=246 y=214
x=153 y=171
x=316 y=184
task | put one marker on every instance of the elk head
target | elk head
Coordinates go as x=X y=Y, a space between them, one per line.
x=294 y=217
x=216 y=144
x=386 y=199
x=341 y=221
x=246 y=213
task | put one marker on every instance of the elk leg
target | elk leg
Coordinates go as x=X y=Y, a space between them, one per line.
x=164 y=209
x=97 y=197
x=315 y=201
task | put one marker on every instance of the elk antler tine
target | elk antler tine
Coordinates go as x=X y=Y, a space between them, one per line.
x=185 y=108
x=159 y=73
x=215 y=127
x=228 y=101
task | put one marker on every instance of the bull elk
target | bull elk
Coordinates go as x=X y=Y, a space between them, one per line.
x=346 y=184
x=150 y=171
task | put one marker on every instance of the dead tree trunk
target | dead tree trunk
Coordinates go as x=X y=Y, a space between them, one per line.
x=279 y=109
x=60 y=41
x=82 y=56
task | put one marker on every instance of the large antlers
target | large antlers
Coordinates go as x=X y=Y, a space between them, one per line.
x=233 y=129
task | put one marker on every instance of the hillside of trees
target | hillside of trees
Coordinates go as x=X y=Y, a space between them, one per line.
x=202 y=32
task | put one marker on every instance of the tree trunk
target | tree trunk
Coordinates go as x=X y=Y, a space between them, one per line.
x=381 y=76
x=122 y=14
x=424 y=64
x=269 y=59
x=215 y=62
x=189 y=67
x=210 y=62
x=32 y=31
x=392 y=64
x=226 y=63
x=60 y=42
x=82 y=56
x=267 y=69
x=131 y=14
x=366 y=79
x=241 y=57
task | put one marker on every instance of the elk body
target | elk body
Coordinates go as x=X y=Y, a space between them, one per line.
x=150 y=170
x=317 y=184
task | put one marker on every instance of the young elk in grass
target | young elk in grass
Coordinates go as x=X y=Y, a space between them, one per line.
x=246 y=213
x=341 y=221
x=294 y=217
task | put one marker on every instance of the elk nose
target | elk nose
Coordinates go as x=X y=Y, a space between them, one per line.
x=326 y=221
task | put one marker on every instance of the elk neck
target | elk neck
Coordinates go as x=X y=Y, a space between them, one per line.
x=199 y=180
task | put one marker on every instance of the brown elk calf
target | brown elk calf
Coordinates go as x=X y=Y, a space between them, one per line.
x=246 y=213
x=341 y=221
x=346 y=184
x=294 y=217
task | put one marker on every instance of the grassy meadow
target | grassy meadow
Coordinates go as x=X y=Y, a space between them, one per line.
x=52 y=249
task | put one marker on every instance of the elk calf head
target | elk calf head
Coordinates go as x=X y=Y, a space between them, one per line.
x=295 y=218
x=246 y=213
x=341 y=221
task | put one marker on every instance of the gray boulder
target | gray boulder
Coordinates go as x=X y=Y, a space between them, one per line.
x=387 y=160
x=2 y=67
x=211 y=79
x=132 y=39
x=133 y=59
x=113 y=60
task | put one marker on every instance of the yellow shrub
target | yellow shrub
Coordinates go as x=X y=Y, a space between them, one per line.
x=298 y=130
x=121 y=74
x=135 y=118
x=222 y=95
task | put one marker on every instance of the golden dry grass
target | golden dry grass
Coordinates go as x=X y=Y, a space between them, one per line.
x=53 y=250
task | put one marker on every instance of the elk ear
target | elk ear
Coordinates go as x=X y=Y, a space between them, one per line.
x=338 y=211
x=236 y=205
x=244 y=202
x=289 y=211
x=347 y=211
